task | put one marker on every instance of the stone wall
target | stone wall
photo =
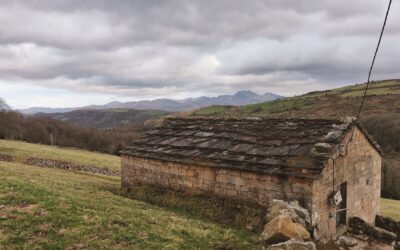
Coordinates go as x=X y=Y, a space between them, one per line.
x=360 y=167
x=192 y=179
x=47 y=163
x=7 y=158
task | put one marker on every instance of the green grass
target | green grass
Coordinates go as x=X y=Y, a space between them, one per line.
x=304 y=102
x=391 y=208
x=278 y=106
x=127 y=110
x=22 y=151
x=55 y=209
x=212 y=110
x=378 y=91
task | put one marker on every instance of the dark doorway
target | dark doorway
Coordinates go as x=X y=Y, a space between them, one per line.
x=341 y=216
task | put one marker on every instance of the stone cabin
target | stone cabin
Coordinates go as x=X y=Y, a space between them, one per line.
x=259 y=160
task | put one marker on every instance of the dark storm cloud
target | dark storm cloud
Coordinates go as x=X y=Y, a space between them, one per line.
x=206 y=46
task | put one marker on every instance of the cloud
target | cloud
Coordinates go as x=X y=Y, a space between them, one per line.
x=149 y=49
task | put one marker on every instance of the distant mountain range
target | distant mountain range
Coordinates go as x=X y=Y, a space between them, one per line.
x=239 y=98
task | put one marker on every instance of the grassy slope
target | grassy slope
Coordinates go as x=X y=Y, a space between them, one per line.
x=391 y=208
x=212 y=110
x=22 y=150
x=382 y=96
x=55 y=209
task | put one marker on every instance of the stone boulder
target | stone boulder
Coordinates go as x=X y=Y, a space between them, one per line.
x=282 y=228
x=286 y=221
x=293 y=209
x=388 y=224
x=293 y=245
x=383 y=234
x=346 y=242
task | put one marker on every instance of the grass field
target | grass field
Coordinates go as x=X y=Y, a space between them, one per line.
x=55 y=209
x=278 y=106
x=390 y=208
x=22 y=151
x=212 y=110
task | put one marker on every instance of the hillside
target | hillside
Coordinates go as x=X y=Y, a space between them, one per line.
x=44 y=208
x=21 y=151
x=171 y=105
x=381 y=96
x=46 y=130
x=106 y=118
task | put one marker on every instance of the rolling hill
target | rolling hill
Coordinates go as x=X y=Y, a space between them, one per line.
x=106 y=118
x=382 y=96
x=239 y=98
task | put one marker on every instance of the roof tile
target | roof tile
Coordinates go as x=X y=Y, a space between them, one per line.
x=296 y=147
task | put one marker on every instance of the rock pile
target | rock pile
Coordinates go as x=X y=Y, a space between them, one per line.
x=6 y=158
x=47 y=163
x=358 y=226
x=286 y=227
x=293 y=245
x=361 y=235
x=289 y=225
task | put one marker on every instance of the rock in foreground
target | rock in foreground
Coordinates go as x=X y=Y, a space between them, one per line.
x=285 y=222
x=282 y=228
x=293 y=245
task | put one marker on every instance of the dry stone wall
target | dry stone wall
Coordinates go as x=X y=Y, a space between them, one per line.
x=7 y=158
x=47 y=163
x=192 y=179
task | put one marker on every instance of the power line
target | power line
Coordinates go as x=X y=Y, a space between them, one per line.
x=373 y=61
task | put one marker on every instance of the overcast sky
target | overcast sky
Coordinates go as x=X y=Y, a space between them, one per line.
x=76 y=52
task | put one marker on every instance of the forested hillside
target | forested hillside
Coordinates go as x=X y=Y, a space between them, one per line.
x=106 y=118
x=49 y=131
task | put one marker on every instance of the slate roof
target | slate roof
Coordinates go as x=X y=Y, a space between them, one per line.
x=287 y=147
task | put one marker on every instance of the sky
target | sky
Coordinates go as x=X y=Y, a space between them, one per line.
x=68 y=53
